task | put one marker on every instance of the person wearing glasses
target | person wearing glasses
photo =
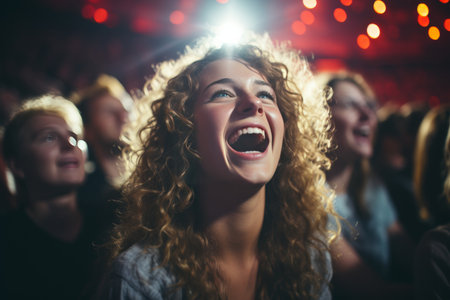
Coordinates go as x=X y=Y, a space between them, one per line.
x=362 y=260
x=46 y=245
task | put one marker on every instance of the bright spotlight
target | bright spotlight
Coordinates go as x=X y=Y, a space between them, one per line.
x=228 y=33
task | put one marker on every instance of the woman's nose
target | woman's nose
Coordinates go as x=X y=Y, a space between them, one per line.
x=366 y=112
x=249 y=104
x=122 y=116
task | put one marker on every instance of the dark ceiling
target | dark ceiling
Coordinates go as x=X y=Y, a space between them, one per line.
x=48 y=42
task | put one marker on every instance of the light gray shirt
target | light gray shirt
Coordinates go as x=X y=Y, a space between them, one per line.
x=369 y=236
x=136 y=275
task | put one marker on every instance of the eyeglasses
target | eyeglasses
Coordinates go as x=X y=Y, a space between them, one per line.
x=352 y=104
x=53 y=137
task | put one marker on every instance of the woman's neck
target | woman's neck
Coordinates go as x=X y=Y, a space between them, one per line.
x=338 y=177
x=59 y=215
x=233 y=220
x=232 y=216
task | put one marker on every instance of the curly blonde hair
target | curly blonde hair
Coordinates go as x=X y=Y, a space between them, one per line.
x=160 y=194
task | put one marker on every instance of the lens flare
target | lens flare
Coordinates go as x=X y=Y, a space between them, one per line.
x=373 y=30
x=363 y=41
x=434 y=33
x=422 y=9
x=228 y=33
x=379 y=7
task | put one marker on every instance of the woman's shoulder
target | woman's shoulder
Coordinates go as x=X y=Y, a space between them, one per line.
x=438 y=237
x=137 y=272
x=137 y=257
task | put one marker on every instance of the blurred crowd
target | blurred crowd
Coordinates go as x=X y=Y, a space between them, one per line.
x=61 y=178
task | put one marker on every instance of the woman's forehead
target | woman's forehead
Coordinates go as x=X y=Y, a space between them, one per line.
x=228 y=68
x=350 y=89
x=45 y=120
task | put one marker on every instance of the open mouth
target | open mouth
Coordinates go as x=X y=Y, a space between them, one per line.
x=249 y=140
x=68 y=163
x=362 y=132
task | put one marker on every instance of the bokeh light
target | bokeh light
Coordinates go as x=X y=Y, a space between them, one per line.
x=444 y=1
x=310 y=3
x=363 y=41
x=422 y=9
x=177 y=17
x=447 y=24
x=307 y=17
x=434 y=101
x=222 y=1
x=100 y=15
x=88 y=11
x=434 y=33
x=346 y=2
x=379 y=7
x=329 y=64
x=340 y=15
x=298 y=27
x=373 y=30
x=423 y=21
x=143 y=25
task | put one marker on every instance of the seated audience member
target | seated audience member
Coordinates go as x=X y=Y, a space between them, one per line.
x=391 y=161
x=9 y=101
x=227 y=199
x=432 y=183
x=45 y=247
x=429 y=166
x=104 y=107
x=363 y=255
x=7 y=200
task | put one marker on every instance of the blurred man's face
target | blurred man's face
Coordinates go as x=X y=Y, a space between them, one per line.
x=50 y=157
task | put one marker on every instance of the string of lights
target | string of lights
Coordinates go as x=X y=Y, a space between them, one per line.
x=373 y=31
x=97 y=11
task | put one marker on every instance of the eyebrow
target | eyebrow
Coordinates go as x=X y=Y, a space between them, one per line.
x=262 y=82
x=229 y=80
x=223 y=80
x=36 y=133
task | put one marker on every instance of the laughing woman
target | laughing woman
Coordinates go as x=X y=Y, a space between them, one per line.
x=372 y=239
x=226 y=198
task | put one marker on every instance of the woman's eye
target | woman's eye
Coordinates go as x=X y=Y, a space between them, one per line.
x=372 y=105
x=265 y=95
x=221 y=94
x=348 y=104
x=50 y=137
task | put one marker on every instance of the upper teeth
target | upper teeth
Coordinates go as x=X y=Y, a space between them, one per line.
x=248 y=130
x=364 y=131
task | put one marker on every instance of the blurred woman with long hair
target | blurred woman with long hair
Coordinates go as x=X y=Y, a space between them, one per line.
x=371 y=235
x=432 y=186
